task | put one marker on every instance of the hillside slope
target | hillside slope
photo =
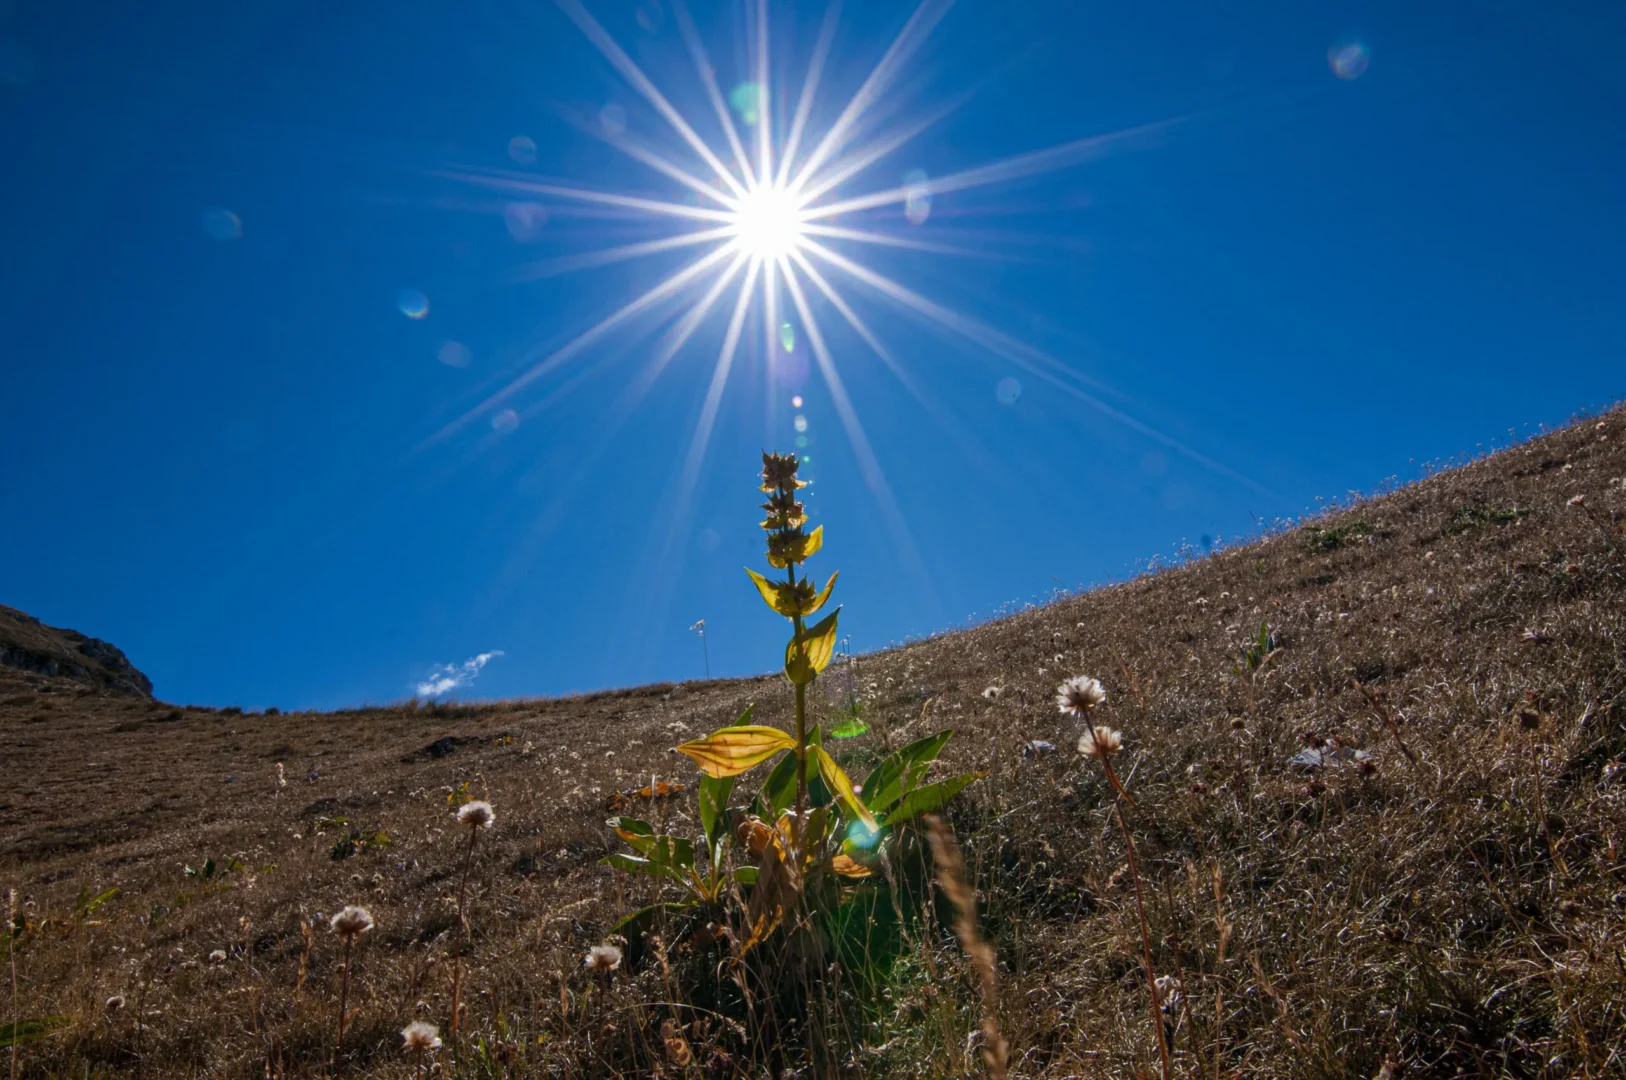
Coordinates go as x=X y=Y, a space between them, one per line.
x=26 y=644
x=1452 y=903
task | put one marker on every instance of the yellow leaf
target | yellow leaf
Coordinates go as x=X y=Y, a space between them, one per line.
x=773 y=593
x=847 y=866
x=824 y=594
x=809 y=652
x=841 y=787
x=732 y=750
x=815 y=540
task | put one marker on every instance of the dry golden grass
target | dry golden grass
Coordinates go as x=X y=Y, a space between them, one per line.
x=1454 y=906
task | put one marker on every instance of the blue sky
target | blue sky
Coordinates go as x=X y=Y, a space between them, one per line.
x=218 y=427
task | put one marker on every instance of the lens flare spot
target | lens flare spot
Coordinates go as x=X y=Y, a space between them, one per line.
x=800 y=423
x=454 y=354
x=222 y=224
x=801 y=442
x=413 y=304
x=917 y=202
x=650 y=16
x=524 y=220
x=612 y=120
x=708 y=540
x=1007 y=391
x=746 y=99
x=1348 y=61
x=787 y=337
x=522 y=148
x=796 y=402
x=862 y=835
x=506 y=420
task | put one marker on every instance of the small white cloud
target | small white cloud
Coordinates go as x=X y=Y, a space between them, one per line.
x=448 y=677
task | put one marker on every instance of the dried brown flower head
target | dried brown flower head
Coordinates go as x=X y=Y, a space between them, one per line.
x=779 y=472
x=1529 y=719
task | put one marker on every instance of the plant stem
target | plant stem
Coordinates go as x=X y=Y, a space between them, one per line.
x=457 y=940
x=344 y=997
x=1541 y=808
x=1145 y=939
x=801 y=731
x=11 y=952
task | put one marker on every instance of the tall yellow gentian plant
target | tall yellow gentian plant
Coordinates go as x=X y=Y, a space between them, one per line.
x=731 y=751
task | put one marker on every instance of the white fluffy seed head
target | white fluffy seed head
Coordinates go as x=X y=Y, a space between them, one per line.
x=603 y=958
x=476 y=815
x=352 y=922
x=420 y=1036
x=1078 y=695
x=1101 y=742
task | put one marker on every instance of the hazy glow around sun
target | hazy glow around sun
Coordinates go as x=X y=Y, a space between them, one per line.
x=767 y=222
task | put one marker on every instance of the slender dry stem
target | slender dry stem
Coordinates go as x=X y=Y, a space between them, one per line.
x=11 y=953
x=951 y=877
x=457 y=937
x=344 y=1000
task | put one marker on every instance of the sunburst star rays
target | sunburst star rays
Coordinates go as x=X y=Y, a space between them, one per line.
x=764 y=212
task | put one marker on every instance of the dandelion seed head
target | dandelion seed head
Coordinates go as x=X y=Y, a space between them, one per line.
x=603 y=958
x=352 y=922
x=420 y=1036
x=1101 y=742
x=476 y=815
x=1078 y=695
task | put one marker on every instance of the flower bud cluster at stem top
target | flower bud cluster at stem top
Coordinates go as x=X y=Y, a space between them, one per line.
x=787 y=543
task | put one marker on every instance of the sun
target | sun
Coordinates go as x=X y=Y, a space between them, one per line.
x=767 y=222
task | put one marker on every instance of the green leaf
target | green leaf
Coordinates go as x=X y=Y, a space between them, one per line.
x=778 y=792
x=22 y=1030
x=746 y=875
x=841 y=786
x=810 y=651
x=924 y=800
x=732 y=750
x=714 y=793
x=902 y=770
x=666 y=856
x=639 y=835
x=644 y=919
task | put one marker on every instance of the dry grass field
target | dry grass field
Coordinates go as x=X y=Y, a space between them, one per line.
x=1443 y=895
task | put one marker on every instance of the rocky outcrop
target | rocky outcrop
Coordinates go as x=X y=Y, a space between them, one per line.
x=30 y=645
